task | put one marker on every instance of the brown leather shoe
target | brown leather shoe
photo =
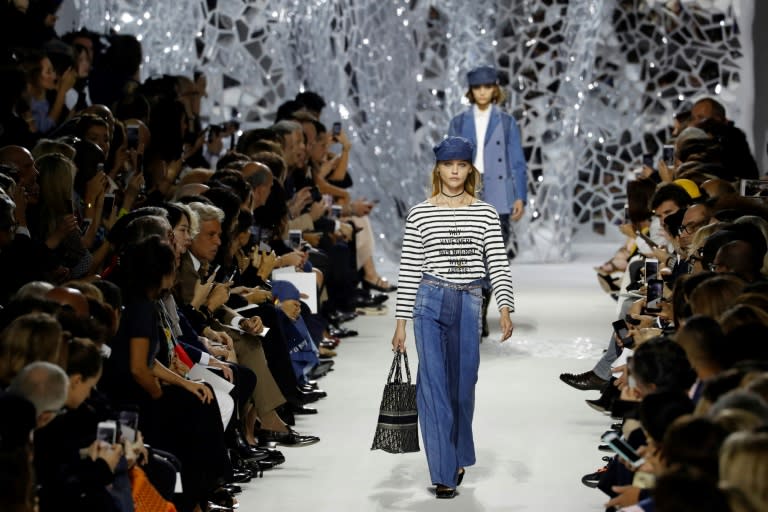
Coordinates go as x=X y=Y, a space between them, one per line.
x=584 y=381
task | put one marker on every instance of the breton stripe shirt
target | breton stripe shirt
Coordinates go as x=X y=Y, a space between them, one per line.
x=455 y=244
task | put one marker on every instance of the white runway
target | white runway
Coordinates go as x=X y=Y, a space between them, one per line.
x=534 y=435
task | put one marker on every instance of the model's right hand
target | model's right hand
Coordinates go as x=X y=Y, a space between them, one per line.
x=398 y=340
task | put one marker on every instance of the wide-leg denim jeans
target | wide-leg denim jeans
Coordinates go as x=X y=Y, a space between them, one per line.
x=447 y=323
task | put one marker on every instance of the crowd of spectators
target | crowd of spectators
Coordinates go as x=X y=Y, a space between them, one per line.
x=171 y=291
x=685 y=372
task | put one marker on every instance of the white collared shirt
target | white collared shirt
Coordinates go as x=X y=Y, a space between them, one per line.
x=482 y=117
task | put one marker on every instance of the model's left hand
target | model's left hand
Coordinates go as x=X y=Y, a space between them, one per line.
x=517 y=210
x=506 y=325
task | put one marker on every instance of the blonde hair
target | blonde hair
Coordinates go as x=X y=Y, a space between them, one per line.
x=31 y=337
x=472 y=184
x=57 y=178
x=744 y=464
x=499 y=96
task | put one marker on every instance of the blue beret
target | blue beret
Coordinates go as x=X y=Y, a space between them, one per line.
x=482 y=75
x=454 y=148
x=285 y=290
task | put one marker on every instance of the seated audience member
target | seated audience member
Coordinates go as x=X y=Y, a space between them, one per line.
x=144 y=371
x=65 y=477
x=29 y=338
x=45 y=385
x=16 y=472
x=744 y=466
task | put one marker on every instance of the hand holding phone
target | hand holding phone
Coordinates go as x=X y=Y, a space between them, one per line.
x=106 y=431
x=622 y=332
x=336 y=130
x=623 y=449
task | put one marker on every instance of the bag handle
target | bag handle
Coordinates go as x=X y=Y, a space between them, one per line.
x=396 y=369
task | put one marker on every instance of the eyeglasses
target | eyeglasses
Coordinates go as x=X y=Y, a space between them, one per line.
x=692 y=227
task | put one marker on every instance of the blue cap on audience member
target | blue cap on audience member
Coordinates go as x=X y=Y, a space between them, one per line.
x=285 y=290
x=454 y=148
x=482 y=75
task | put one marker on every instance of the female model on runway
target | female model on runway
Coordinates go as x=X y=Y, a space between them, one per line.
x=450 y=240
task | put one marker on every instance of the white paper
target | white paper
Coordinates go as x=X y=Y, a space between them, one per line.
x=304 y=281
x=198 y=372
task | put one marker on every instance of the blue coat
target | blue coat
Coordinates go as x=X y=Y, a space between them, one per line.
x=505 y=179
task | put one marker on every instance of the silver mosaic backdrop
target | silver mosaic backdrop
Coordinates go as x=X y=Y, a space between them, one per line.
x=593 y=83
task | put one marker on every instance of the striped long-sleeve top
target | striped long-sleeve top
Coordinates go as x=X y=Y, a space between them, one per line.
x=455 y=244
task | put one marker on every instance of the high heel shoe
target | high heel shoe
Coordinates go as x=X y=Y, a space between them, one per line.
x=462 y=471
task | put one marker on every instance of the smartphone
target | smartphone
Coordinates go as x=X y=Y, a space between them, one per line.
x=294 y=238
x=626 y=214
x=109 y=205
x=336 y=129
x=647 y=239
x=622 y=332
x=668 y=154
x=336 y=210
x=651 y=269
x=648 y=160
x=654 y=293
x=106 y=431
x=623 y=449
x=753 y=188
x=129 y=425
x=132 y=136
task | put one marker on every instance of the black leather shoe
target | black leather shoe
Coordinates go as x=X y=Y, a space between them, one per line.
x=584 y=381
x=276 y=457
x=342 y=332
x=313 y=389
x=597 y=405
x=303 y=409
x=618 y=426
x=241 y=476
x=605 y=448
x=339 y=317
x=591 y=480
x=460 y=479
x=232 y=488
x=289 y=438
x=444 y=493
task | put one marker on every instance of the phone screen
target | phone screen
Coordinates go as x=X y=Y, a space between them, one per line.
x=623 y=449
x=129 y=425
x=132 y=136
x=653 y=295
x=620 y=328
x=668 y=154
x=651 y=269
x=648 y=160
x=294 y=238
x=109 y=204
x=106 y=431
x=336 y=130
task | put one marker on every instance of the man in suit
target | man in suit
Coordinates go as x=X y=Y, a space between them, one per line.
x=244 y=331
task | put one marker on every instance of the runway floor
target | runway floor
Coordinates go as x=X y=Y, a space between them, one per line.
x=534 y=436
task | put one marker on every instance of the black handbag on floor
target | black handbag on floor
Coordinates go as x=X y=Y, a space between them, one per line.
x=397 y=430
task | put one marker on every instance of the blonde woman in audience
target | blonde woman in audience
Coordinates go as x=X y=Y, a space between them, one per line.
x=714 y=295
x=742 y=314
x=744 y=465
x=30 y=337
